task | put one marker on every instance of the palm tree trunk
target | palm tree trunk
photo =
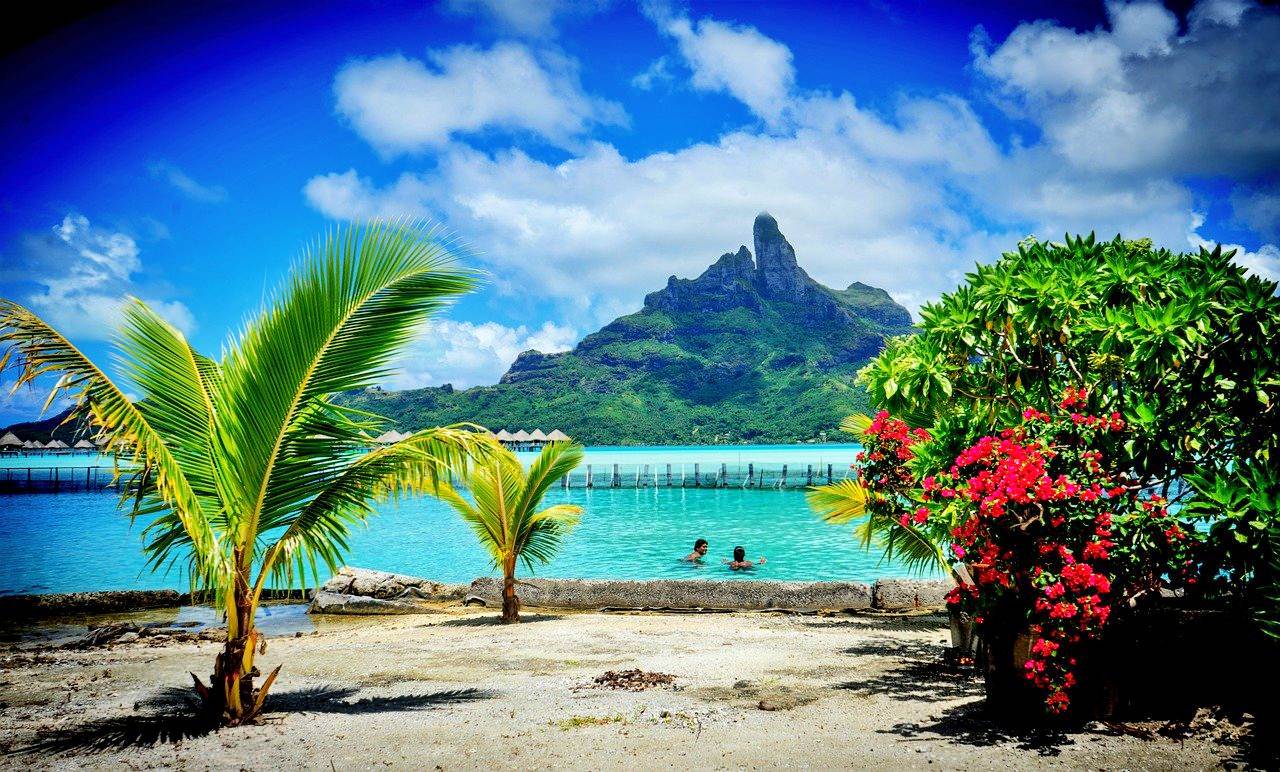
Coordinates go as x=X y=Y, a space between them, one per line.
x=230 y=697
x=510 y=603
x=233 y=670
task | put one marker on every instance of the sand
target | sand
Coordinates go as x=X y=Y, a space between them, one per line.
x=454 y=690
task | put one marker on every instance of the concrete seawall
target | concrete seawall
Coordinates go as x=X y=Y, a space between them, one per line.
x=360 y=591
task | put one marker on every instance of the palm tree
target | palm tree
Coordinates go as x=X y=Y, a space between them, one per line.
x=246 y=470
x=504 y=513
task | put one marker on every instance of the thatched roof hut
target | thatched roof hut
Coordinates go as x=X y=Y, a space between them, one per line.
x=557 y=436
x=10 y=441
x=505 y=436
x=388 y=437
x=85 y=445
x=537 y=436
x=521 y=436
x=57 y=445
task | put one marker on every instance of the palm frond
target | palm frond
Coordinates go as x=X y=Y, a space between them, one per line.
x=856 y=424
x=43 y=351
x=346 y=312
x=841 y=502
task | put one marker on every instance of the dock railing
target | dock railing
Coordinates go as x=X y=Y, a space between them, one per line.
x=772 y=476
x=55 y=479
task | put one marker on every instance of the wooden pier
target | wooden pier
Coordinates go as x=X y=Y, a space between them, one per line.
x=698 y=475
x=56 y=479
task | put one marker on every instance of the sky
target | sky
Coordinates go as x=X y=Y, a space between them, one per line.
x=585 y=151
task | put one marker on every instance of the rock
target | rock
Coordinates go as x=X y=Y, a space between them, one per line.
x=335 y=603
x=677 y=594
x=387 y=586
x=25 y=606
x=902 y=594
x=127 y=638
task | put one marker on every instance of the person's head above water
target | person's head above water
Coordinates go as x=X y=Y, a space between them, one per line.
x=739 y=554
x=700 y=546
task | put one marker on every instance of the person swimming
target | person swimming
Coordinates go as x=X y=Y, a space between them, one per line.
x=700 y=548
x=740 y=562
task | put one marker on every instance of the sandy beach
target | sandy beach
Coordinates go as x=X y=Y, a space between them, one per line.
x=454 y=690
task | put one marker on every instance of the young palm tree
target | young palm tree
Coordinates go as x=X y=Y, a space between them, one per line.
x=245 y=468
x=504 y=511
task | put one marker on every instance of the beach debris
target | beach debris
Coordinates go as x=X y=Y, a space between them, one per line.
x=634 y=680
x=156 y=634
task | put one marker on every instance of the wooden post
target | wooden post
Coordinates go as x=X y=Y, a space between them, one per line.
x=55 y=478
x=646 y=476
x=668 y=475
x=724 y=475
x=588 y=475
x=697 y=476
x=808 y=476
x=617 y=477
x=783 y=482
x=830 y=477
x=751 y=474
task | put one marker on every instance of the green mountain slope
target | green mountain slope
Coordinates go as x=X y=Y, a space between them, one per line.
x=752 y=350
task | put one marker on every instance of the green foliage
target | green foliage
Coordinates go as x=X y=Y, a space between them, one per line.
x=1182 y=345
x=1240 y=509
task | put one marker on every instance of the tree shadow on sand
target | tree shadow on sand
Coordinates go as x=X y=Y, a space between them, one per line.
x=173 y=715
x=918 y=675
x=921 y=675
x=494 y=620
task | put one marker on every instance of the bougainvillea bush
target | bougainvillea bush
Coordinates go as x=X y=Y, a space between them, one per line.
x=1055 y=536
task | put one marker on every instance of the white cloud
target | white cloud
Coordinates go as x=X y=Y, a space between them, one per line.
x=657 y=71
x=466 y=354
x=403 y=105
x=599 y=231
x=209 y=194
x=1140 y=98
x=734 y=59
x=1142 y=27
x=1208 y=12
x=86 y=273
x=528 y=18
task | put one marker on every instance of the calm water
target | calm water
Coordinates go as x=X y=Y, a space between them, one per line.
x=70 y=542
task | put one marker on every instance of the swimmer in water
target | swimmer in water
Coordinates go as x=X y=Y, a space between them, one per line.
x=740 y=562
x=700 y=548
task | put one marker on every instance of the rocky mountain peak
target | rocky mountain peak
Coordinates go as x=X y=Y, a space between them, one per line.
x=778 y=275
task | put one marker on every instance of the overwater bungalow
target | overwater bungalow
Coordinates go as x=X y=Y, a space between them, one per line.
x=557 y=436
x=84 y=445
x=10 y=443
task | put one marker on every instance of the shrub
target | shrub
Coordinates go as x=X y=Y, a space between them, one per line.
x=1055 y=535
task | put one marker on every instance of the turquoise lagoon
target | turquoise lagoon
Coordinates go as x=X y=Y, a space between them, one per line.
x=73 y=542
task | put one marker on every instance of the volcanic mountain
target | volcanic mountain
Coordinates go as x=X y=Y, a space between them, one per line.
x=753 y=350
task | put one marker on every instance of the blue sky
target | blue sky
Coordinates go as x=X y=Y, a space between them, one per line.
x=586 y=151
